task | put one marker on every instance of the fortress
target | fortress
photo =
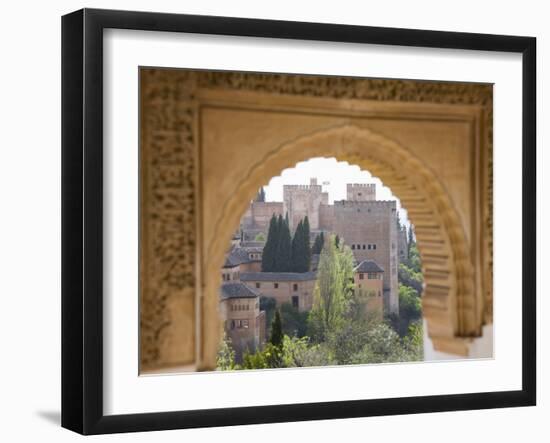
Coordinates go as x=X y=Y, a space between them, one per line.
x=368 y=226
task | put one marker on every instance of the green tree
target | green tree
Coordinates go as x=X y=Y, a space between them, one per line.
x=268 y=305
x=270 y=247
x=408 y=277
x=297 y=244
x=306 y=249
x=225 y=359
x=276 y=338
x=332 y=292
x=301 y=250
x=283 y=258
x=337 y=241
x=410 y=308
x=294 y=321
x=413 y=261
x=317 y=244
x=260 y=237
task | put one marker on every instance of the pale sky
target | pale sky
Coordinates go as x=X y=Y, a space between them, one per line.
x=333 y=175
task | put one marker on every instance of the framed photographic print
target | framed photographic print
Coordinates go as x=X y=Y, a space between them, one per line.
x=270 y=221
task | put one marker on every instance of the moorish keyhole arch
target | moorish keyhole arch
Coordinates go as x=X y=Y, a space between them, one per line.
x=450 y=305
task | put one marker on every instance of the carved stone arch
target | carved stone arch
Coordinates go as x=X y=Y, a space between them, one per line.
x=449 y=300
x=204 y=136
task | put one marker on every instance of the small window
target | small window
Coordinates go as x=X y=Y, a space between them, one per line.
x=373 y=246
x=244 y=324
x=361 y=276
x=232 y=324
x=275 y=285
x=373 y=276
x=359 y=285
x=295 y=301
x=257 y=285
x=364 y=247
x=352 y=246
x=295 y=286
x=359 y=194
x=370 y=246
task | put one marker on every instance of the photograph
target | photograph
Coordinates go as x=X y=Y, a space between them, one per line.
x=293 y=221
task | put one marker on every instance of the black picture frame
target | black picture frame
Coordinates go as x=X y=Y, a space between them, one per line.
x=82 y=219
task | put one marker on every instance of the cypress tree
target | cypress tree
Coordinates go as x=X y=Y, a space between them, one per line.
x=316 y=248
x=284 y=249
x=276 y=338
x=270 y=248
x=296 y=245
x=337 y=241
x=306 y=250
x=318 y=243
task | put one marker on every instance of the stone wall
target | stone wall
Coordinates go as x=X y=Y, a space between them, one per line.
x=326 y=217
x=361 y=192
x=284 y=291
x=304 y=200
x=370 y=229
x=259 y=214
x=234 y=313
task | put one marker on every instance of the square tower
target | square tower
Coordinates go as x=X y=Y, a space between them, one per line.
x=361 y=192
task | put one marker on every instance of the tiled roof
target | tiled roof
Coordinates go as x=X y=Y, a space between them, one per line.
x=368 y=266
x=278 y=276
x=237 y=290
x=239 y=255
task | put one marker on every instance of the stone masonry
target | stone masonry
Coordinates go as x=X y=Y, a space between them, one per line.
x=368 y=226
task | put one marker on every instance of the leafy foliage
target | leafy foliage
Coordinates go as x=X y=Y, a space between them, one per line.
x=271 y=246
x=282 y=253
x=332 y=290
x=276 y=338
x=410 y=289
x=260 y=237
x=318 y=243
x=268 y=304
x=339 y=329
x=294 y=322
x=225 y=359
x=408 y=277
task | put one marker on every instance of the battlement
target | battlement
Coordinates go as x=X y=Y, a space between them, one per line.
x=378 y=206
x=365 y=203
x=361 y=185
x=361 y=191
x=302 y=187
